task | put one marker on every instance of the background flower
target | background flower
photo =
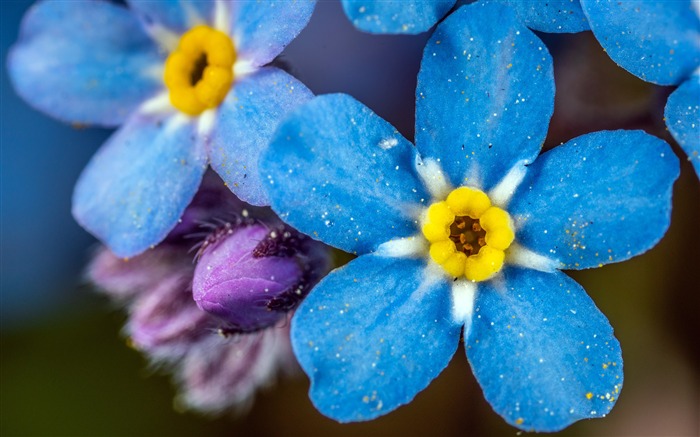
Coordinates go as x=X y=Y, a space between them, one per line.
x=416 y=16
x=412 y=16
x=658 y=42
x=559 y=16
x=100 y=63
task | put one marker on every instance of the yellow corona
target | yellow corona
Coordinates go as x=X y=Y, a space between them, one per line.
x=468 y=236
x=199 y=73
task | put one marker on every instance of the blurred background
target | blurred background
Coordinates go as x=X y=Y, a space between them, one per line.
x=66 y=370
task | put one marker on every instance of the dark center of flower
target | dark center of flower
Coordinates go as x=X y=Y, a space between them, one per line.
x=198 y=69
x=468 y=235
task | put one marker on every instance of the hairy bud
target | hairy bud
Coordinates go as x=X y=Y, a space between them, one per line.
x=251 y=276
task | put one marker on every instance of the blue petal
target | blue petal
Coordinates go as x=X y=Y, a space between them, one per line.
x=657 y=41
x=372 y=335
x=245 y=123
x=175 y=15
x=683 y=118
x=540 y=349
x=261 y=29
x=600 y=198
x=341 y=174
x=555 y=16
x=84 y=62
x=408 y=16
x=137 y=186
x=485 y=94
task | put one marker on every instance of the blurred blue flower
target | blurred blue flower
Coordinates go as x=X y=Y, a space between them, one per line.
x=482 y=259
x=188 y=83
x=659 y=42
x=416 y=16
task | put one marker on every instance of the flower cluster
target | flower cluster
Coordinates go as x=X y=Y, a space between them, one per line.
x=460 y=237
x=221 y=322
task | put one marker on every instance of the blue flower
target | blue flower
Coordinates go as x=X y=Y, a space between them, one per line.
x=188 y=83
x=466 y=236
x=658 y=42
x=416 y=16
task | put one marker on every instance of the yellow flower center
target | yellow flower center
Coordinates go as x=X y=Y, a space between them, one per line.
x=467 y=235
x=199 y=72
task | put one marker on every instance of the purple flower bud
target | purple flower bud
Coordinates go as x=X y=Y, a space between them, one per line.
x=251 y=276
x=252 y=271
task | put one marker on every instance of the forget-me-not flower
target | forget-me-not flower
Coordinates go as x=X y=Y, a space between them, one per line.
x=659 y=42
x=416 y=16
x=188 y=82
x=466 y=233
